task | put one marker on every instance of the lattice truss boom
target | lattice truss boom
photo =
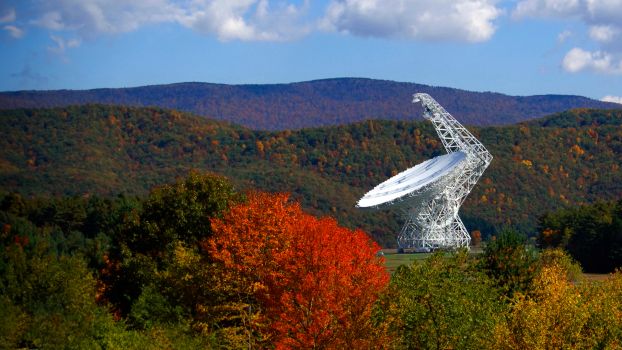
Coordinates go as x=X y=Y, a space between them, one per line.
x=435 y=223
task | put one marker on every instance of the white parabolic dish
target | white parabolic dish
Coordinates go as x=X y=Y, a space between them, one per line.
x=412 y=182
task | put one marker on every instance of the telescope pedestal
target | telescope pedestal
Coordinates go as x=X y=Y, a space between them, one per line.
x=438 y=226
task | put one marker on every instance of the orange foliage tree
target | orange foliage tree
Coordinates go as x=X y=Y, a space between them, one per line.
x=476 y=238
x=314 y=281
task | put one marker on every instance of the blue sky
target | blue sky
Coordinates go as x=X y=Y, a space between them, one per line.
x=521 y=47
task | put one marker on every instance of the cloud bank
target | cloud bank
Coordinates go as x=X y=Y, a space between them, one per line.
x=578 y=59
x=247 y=20
x=447 y=20
x=614 y=99
x=71 y=22
x=274 y=20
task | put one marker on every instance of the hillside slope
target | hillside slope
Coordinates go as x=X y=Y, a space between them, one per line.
x=107 y=150
x=310 y=104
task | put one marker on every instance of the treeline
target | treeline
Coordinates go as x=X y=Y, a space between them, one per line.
x=310 y=104
x=197 y=264
x=592 y=234
x=577 y=118
x=109 y=150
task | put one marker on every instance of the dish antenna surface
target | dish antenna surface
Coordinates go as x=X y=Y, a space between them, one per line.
x=430 y=194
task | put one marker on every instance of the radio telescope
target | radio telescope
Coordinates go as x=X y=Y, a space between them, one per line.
x=429 y=194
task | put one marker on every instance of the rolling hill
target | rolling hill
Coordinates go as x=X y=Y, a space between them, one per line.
x=310 y=104
x=564 y=159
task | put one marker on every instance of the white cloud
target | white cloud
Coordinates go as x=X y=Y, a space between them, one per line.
x=599 y=14
x=225 y=19
x=8 y=17
x=272 y=20
x=51 y=20
x=246 y=19
x=592 y=11
x=603 y=33
x=563 y=36
x=91 y=17
x=61 y=44
x=547 y=8
x=451 y=20
x=604 y=11
x=14 y=31
x=577 y=60
x=614 y=99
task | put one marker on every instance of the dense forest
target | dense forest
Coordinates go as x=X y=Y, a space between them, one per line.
x=311 y=104
x=198 y=264
x=592 y=234
x=565 y=159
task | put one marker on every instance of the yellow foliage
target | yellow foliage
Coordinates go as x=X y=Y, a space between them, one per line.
x=184 y=257
x=550 y=319
x=562 y=315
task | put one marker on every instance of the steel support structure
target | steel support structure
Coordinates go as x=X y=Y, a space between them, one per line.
x=436 y=224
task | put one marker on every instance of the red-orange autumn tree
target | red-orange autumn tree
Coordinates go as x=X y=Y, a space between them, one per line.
x=315 y=282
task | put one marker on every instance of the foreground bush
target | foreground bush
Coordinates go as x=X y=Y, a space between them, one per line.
x=559 y=314
x=442 y=303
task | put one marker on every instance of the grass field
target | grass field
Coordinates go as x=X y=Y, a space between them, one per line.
x=393 y=260
x=595 y=276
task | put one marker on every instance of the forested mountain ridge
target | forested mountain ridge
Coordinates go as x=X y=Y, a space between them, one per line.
x=310 y=104
x=580 y=117
x=99 y=149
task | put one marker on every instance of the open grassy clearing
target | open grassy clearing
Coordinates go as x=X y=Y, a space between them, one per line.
x=393 y=260
x=595 y=276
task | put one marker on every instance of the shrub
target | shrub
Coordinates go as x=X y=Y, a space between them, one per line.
x=442 y=303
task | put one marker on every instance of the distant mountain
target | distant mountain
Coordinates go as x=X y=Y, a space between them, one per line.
x=82 y=150
x=578 y=118
x=311 y=104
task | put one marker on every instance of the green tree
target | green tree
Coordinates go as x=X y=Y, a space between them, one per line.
x=442 y=303
x=142 y=249
x=510 y=261
x=182 y=211
x=49 y=300
x=592 y=234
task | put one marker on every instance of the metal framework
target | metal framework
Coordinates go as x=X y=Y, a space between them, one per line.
x=435 y=223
